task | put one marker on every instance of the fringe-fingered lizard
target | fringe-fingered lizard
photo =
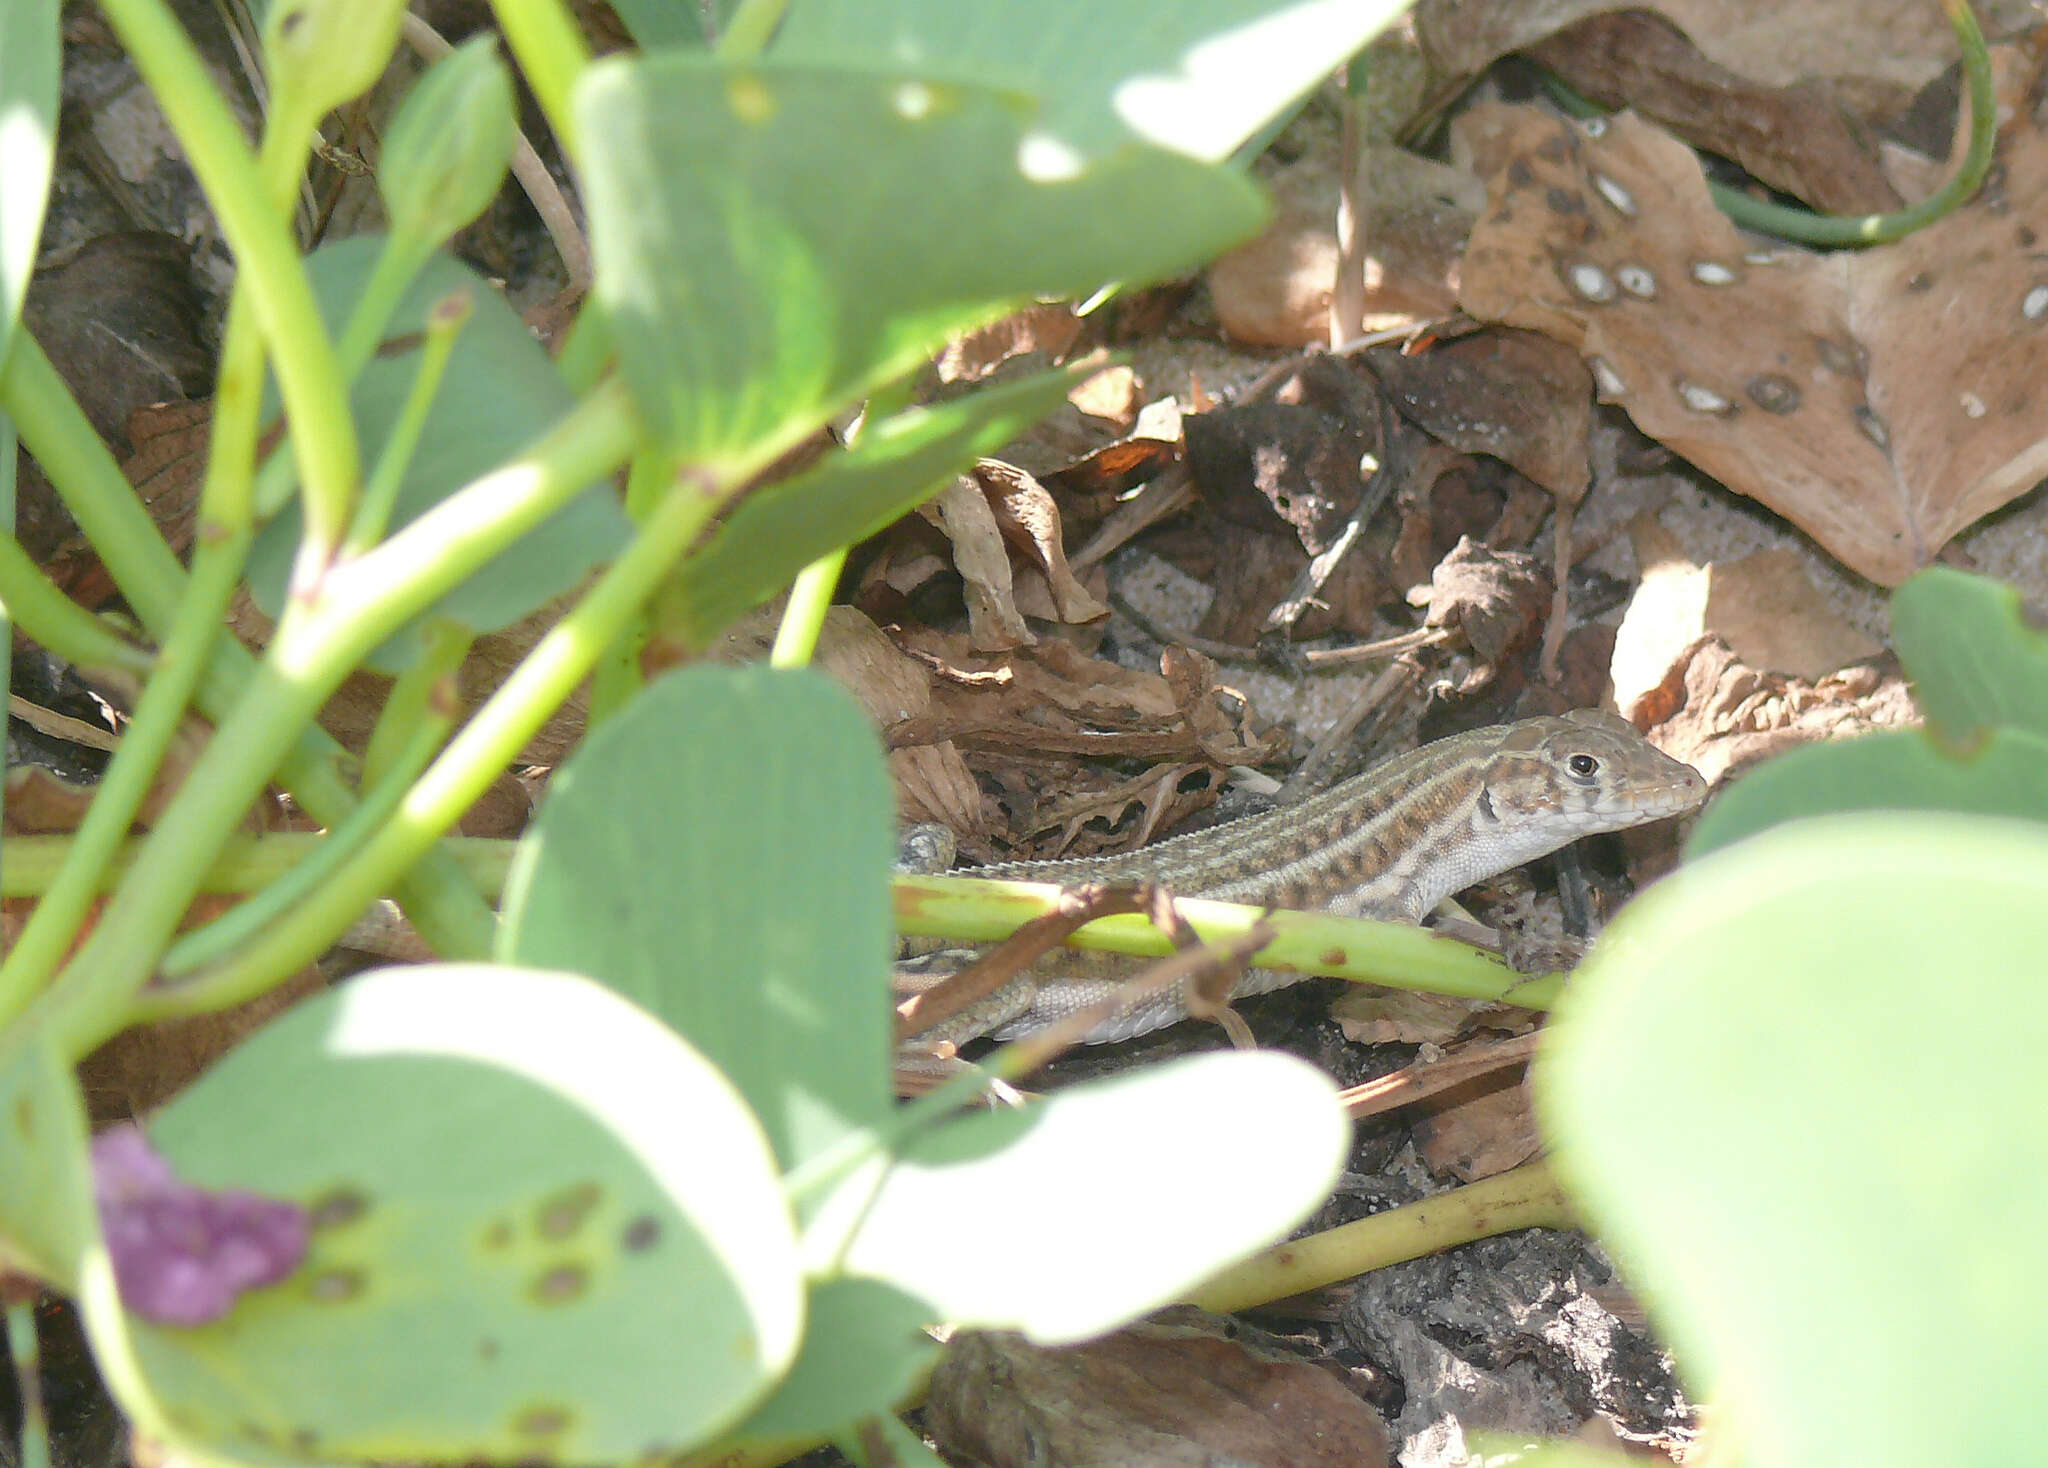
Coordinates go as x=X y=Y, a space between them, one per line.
x=1389 y=843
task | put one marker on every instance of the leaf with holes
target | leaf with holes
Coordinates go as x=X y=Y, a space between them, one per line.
x=1881 y=400
x=543 y=1227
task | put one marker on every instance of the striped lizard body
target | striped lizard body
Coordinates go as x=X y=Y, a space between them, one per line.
x=1389 y=843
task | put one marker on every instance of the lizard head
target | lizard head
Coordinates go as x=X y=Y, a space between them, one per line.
x=1587 y=771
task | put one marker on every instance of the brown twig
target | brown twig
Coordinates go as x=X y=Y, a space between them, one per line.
x=1421 y=1080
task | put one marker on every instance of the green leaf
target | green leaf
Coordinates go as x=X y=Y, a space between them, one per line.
x=47 y=1219
x=1796 y=1087
x=864 y=1350
x=894 y=466
x=28 y=144
x=655 y=23
x=1975 y=657
x=544 y=1227
x=318 y=54
x=446 y=151
x=720 y=853
x=771 y=243
x=1109 y=1199
x=1196 y=76
x=500 y=393
x=2004 y=773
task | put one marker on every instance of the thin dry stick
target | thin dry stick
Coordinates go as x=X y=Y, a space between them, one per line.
x=1419 y=1081
x=534 y=178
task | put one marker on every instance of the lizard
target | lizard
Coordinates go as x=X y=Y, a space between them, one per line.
x=1389 y=843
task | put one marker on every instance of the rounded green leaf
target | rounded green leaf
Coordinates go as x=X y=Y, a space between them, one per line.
x=719 y=852
x=1106 y=1200
x=322 y=53
x=853 y=493
x=544 y=1228
x=46 y=1211
x=1796 y=1088
x=1197 y=76
x=1976 y=657
x=772 y=242
x=28 y=145
x=2002 y=772
x=499 y=394
x=446 y=151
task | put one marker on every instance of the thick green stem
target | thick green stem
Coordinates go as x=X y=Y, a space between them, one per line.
x=1397 y=955
x=53 y=620
x=437 y=897
x=240 y=924
x=1526 y=1197
x=380 y=498
x=103 y=503
x=220 y=549
x=550 y=672
x=551 y=54
x=267 y=260
x=750 y=29
x=244 y=864
x=803 y=618
x=319 y=642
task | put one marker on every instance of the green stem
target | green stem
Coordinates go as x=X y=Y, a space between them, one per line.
x=1828 y=230
x=220 y=549
x=244 y=864
x=320 y=640
x=1397 y=955
x=397 y=263
x=27 y=1355
x=380 y=499
x=586 y=349
x=796 y=640
x=7 y=620
x=267 y=261
x=424 y=693
x=437 y=897
x=53 y=620
x=551 y=54
x=240 y=924
x=550 y=672
x=750 y=29
x=103 y=503
x=1525 y=1197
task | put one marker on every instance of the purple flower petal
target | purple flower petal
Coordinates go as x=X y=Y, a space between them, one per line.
x=182 y=1254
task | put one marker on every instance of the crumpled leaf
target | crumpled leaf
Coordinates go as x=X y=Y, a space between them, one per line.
x=1882 y=400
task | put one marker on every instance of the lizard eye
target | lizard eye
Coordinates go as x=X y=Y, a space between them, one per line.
x=1582 y=766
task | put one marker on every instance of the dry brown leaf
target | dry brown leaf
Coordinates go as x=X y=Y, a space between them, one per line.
x=1275 y=289
x=1479 y=1130
x=1028 y=720
x=1881 y=400
x=1053 y=330
x=1801 y=138
x=1030 y=522
x=963 y=513
x=1720 y=715
x=1865 y=48
x=1370 y=1015
x=1764 y=606
x=1519 y=396
x=1182 y=1388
